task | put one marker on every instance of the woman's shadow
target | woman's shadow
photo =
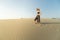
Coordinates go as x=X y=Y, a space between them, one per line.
x=49 y=22
x=45 y=23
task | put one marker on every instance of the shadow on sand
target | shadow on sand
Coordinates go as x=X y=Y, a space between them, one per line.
x=50 y=23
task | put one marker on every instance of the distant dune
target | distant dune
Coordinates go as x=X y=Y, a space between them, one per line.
x=26 y=29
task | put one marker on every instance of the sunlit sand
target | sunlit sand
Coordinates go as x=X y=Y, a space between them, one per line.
x=26 y=29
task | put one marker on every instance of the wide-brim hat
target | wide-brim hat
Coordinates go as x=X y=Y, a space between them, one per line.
x=38 y=9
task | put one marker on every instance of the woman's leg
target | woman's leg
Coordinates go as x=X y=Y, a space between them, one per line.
x=35 y=20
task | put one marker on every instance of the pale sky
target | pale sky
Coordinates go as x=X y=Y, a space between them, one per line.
x=27 y=8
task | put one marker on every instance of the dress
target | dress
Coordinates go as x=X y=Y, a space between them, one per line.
x=37 y=19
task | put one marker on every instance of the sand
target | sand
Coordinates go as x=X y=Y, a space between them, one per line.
x=26 y=29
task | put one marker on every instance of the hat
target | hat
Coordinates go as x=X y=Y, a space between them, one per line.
x=37 y=9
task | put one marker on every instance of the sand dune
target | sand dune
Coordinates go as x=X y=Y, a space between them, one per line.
x=26 y=29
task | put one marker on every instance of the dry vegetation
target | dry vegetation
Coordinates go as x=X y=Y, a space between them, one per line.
x=26 y=29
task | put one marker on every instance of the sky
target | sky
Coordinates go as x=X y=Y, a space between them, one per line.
x=10 y=9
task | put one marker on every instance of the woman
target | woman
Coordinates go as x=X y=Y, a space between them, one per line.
x=37 y=17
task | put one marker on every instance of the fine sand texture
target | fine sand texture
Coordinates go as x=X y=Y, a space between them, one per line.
x=26 y=29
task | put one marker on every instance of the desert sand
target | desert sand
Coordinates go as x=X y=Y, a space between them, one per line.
x=26 y=29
